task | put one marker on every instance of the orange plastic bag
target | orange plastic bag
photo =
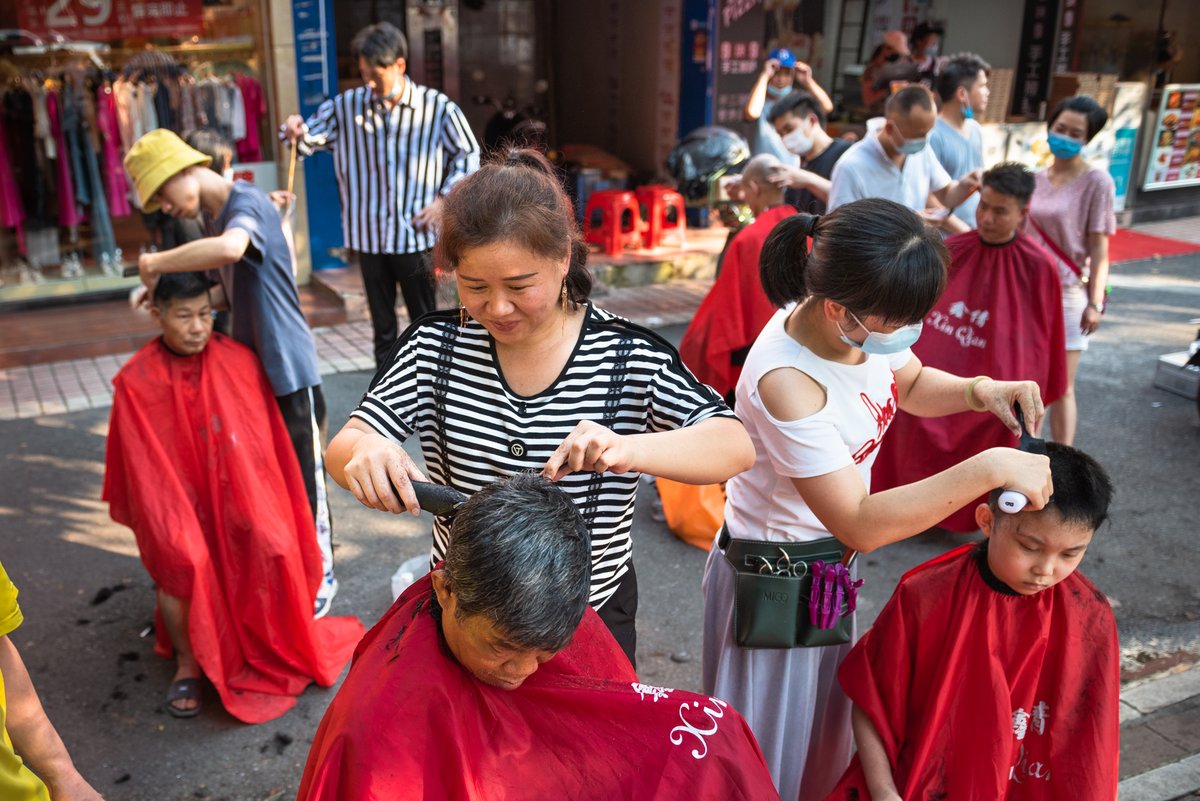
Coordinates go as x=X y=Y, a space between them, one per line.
x=694 y=513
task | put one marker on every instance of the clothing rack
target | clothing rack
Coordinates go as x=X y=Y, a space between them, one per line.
x=64 y=195
x=39 y=47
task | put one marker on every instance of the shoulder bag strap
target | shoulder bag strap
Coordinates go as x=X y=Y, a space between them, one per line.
x=1055 y=249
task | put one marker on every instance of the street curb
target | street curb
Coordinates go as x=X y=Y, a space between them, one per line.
x=1163 y=784
x=1159 y=693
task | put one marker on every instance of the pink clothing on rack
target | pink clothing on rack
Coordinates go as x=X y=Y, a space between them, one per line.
x=69 y=214
x=12 y=213
x=110 y=153
x=123 y=95
x=250 y=149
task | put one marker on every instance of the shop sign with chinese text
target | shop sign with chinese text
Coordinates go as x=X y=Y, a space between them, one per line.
x=110 y=20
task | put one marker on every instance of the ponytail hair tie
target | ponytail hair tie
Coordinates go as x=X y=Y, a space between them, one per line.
x=810 y=224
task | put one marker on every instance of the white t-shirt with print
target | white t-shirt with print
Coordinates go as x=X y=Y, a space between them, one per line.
x=762 y=503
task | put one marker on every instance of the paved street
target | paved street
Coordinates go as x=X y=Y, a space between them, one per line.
x=87 y=599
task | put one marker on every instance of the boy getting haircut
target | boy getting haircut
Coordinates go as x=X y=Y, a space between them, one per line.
x=993 y=670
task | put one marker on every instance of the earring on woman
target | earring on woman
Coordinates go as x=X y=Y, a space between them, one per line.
x=562 y=302
x=462 y=317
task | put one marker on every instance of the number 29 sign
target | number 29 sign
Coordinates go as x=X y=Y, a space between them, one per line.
x=109 y=20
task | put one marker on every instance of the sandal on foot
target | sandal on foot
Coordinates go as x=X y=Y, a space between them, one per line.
x=185 y=690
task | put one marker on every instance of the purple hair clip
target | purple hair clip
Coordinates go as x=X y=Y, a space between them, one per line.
x=814 y=594
x=852 y=593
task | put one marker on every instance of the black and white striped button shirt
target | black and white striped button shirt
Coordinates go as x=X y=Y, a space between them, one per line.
x=391 y=162
x=444 y=384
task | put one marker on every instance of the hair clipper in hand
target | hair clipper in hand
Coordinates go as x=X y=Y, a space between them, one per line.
x=1012 y=501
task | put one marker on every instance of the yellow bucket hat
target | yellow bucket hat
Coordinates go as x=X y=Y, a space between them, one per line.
x=157 y=157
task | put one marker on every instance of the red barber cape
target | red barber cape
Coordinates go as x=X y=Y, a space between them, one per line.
x=1001 y=316
x=735 y=310
x=200 y=466
x=982 y=695
x=410 y=723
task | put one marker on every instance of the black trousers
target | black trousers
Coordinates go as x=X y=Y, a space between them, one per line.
x=619 y=613
x=381 y=272
x=304 y=415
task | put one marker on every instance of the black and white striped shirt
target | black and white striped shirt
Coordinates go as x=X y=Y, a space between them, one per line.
x=620 y=375
x=391 y=163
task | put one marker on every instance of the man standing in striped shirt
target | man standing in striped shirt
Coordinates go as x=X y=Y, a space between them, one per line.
x=397 y=149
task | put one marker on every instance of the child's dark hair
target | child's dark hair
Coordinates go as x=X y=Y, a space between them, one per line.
x=1011 y=178
x=1085 y=105
x=1082 y=488
x=960 y=70
x=797 y=102
x=516 y=197
x=179 y=286
x=873 y=256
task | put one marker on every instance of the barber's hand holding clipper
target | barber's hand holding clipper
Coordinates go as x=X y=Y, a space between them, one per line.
x=1026 y=412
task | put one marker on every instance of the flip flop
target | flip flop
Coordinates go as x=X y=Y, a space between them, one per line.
x=185 y=690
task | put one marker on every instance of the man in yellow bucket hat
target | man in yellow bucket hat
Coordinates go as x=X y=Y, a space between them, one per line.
x=250 y=252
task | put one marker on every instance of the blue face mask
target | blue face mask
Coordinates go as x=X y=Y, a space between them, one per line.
x=968 y=113
x=911 y=147
x=883 y=344
x=1064 y=147
x=776 y=92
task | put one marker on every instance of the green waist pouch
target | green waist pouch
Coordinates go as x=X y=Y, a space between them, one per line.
x=791 y=594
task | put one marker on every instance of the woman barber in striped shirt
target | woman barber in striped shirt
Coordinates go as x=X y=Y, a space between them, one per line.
x=529 y=375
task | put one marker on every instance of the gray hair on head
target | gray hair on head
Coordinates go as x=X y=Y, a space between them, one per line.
x=520 y=554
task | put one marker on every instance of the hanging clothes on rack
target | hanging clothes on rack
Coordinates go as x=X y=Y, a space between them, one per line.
x=16 y=108
x=71 y=120
x=123 y=95
x=254 y=105
x=110 y=151
x=12 y=213
x=69 y=214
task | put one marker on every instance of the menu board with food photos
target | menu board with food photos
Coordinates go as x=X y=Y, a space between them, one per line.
x=1175 y=152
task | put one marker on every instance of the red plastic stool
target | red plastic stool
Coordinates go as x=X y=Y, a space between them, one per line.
x=611 y=220
x=662 y=212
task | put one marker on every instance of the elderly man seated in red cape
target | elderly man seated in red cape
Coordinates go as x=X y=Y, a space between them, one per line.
x=492 y=679
x=199 y=464
x=1000 y=316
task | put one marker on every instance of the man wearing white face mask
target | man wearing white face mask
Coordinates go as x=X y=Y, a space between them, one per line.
x=895 y=163
x=781 y=73
x=799 y=120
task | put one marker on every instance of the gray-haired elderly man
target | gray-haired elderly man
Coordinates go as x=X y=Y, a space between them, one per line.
x=491 y=678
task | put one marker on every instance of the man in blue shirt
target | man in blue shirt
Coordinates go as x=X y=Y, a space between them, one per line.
x=957 y=138
x=252 y=254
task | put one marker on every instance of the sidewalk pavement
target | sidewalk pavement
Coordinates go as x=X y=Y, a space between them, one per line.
x=77 y=384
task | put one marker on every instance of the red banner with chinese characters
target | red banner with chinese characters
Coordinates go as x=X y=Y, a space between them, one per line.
x=108 y=20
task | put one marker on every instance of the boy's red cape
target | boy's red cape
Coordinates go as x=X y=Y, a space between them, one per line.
x=1000 y=316
x=982 y=695
x=735 y=310
x=200 y=466
x=409 y=722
